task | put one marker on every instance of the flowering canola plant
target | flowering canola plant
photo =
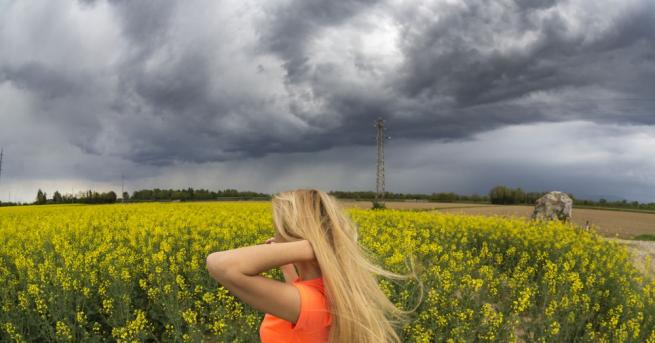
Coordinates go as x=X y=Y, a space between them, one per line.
x=136 y=272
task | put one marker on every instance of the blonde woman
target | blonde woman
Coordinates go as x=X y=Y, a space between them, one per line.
x=331 y=293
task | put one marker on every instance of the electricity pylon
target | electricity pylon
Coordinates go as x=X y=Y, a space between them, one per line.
x=379 y=124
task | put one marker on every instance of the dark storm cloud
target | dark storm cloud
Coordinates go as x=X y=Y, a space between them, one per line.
x=43 y=81
x=291 y=26
x=447 y=57
x=204 y=81
x=456 y=79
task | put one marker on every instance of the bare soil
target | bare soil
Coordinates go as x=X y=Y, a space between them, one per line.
x=409 y=205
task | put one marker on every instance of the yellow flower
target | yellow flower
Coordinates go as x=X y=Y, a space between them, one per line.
x=80 y=317
x=125 y=275
x=218 y=327
x=168 y=289
x=553 y=329
x=107 y=306
x=189 y=316
x=179 y=279
x=523 y=301
x=63 y=332
x=470 y=265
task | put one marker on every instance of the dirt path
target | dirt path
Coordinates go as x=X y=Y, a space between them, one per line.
x=644 y=254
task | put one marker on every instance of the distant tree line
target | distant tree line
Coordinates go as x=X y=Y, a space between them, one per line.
x=88 y=197
x=508 y=196
x=616 y=204
x=504 y=195
x=500 y=194
x=191 y=194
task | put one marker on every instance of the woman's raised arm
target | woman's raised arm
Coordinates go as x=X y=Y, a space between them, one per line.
x=255 y=259
x=288 y=270
x=238 y=271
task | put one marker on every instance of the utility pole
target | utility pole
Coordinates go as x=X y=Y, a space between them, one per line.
x=379 y=124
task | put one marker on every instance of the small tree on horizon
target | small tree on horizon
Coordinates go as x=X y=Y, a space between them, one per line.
x=56 y=198
x=41 y=197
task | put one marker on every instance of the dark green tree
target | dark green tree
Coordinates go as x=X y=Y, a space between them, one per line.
x=109 y=197
x=506 y=196
x=40 y=197
x=56 y=198
x=498 y=195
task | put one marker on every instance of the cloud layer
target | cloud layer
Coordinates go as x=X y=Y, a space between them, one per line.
x=148 y=86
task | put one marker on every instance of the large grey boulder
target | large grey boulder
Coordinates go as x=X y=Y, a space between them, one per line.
x=553 y=205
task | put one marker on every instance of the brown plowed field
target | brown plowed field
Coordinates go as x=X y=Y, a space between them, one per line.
x=406 y=205
x=608 y=223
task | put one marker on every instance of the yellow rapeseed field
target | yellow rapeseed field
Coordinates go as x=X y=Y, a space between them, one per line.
x=136 y=272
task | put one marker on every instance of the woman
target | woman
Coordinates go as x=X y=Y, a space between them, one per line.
x=333 y=297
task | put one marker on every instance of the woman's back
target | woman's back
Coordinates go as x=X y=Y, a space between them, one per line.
x=313 y=324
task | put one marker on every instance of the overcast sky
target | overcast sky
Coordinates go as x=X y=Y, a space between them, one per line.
x=275 y=95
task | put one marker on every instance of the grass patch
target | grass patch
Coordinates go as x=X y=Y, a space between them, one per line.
x=644 y=237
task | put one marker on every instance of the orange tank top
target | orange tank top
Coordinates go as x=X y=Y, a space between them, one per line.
x=313 y=324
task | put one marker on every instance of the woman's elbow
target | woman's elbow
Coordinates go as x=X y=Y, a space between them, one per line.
x=218 y=265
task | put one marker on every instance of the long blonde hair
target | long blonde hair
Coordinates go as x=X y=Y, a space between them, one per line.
x=360 y=310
